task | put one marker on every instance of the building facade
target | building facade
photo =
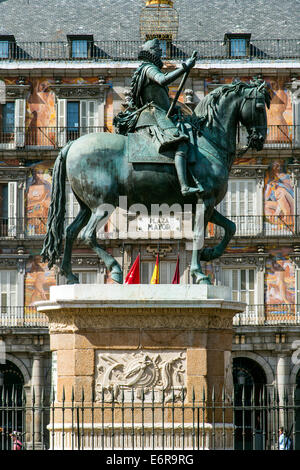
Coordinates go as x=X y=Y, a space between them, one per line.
x=66 y=73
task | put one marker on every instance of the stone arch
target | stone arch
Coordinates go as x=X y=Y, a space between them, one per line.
x=261 y=361
x=294 y=373
x=18 y=363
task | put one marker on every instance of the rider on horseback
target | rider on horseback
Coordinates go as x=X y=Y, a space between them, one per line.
x=148 y=107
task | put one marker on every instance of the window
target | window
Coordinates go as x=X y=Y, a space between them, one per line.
x=12 y=124
x=79 y=49
x=81 y=46
x=72 y=120
x=238 y=44
x=7 y=46
x=8 y=293
x=75 y=118
x=8 y=209
x=4 y=49
x=166 y=271
x=242 y=283
x=87 y=277
x=240 y=204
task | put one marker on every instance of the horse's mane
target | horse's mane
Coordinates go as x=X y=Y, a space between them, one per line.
x=206 y=108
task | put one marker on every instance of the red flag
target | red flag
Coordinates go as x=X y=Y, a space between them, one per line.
x=176 y=277
x=133 y=277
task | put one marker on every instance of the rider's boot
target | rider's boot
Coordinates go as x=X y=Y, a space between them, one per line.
x=181 y=168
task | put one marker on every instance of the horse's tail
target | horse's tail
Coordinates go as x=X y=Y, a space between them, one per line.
x=56 y=213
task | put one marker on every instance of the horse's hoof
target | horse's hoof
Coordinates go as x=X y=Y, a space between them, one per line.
x=73 y=279
x=202 y=279
x=117 y=276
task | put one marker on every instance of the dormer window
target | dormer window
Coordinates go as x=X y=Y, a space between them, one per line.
x=81 y=47
x=7 y=47
x=238 y=44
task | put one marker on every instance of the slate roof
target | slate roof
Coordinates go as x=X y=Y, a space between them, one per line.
x=53 y=20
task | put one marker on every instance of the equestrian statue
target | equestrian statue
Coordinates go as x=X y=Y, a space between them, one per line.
x=157 y=155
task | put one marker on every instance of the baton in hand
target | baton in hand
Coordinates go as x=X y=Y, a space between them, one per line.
x=184 y=78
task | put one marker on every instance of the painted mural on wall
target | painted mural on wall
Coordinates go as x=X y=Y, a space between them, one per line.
x=38 y=192
x=38 y=280
x=279 y=199
x=279 y=278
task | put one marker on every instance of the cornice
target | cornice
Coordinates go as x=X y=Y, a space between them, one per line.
x=84 y=91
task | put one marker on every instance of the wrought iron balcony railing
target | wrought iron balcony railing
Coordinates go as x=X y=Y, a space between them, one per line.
x=265 y=49
x=31 y=138
x=269 y=314
x=279 y=136
x=22 y=317
x=43 y=137
x=260 y=226
x=266 y=226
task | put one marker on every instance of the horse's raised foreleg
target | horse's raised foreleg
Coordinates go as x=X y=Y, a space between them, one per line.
x=72 y=232
x=216 y=218
x=89 y=237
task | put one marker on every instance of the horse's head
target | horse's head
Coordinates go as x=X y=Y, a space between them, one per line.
x=252 y=113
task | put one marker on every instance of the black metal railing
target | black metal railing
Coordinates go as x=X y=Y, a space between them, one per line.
x=22 y=317
x=266 y=226
x=259 y=314
x=278 y=136
x=265 y=49
x=245 y=418
x=269 y=314
x=43 y=137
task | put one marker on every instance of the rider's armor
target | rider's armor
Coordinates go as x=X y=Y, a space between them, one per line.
x=148 y=107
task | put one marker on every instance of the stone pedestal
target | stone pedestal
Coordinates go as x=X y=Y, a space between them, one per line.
x=164 y=342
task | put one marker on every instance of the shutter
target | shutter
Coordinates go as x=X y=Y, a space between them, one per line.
x=83 y=117
x=12 y=209
x=61 y=123
x=20 y=109
x=8 y=294
x=92 y=116
x=239 y=205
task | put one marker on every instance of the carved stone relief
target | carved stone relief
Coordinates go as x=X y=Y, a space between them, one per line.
x=118 y=372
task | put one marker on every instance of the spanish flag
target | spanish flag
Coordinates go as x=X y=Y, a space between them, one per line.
x=155 y=275
x=133 y=277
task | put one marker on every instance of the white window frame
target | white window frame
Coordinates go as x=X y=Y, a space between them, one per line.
x=251 y=314
x=19 y=128
x=248 y=224
x=15 y=309
x=88 y=117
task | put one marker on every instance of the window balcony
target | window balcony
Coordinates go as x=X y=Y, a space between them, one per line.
x=51 y=138
x=261 y=50
x=256 y=226
x=260 y=226
x=46 y=138
x=278 y=136
x=22 y=317
x=269 y=314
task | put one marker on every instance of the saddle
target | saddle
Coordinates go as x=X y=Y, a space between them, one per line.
x=141 y=149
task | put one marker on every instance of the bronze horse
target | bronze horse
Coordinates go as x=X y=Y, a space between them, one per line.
x=98 y=170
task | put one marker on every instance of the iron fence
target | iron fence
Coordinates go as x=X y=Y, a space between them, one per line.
x=248 y=418
x=266 y=49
